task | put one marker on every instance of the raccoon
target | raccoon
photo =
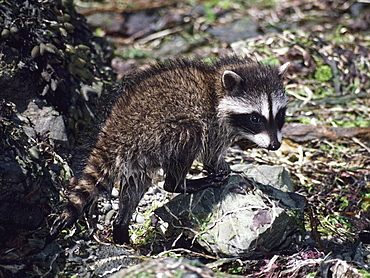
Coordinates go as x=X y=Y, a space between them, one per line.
x=169 y=115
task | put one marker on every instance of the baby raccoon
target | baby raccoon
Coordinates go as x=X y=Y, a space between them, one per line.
x=169 y=115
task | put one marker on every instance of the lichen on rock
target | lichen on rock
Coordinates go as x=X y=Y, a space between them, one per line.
x=245 y=218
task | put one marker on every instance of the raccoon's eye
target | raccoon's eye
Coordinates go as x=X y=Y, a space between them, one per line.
x=281 y=114
x=255 y=119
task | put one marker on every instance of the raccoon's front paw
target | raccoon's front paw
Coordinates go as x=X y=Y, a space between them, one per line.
x=214 y=179
x=218 y=178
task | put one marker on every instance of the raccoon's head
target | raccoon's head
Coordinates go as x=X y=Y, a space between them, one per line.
x=254 y=103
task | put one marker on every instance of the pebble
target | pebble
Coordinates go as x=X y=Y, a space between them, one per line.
x=140 y=219
x=107 y=207
x=115 y=206
x=109 y=216
x=115 y=192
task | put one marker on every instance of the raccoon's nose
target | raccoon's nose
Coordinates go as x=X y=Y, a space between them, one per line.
x=274 y=146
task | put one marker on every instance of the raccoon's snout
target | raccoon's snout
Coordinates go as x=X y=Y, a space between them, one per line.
x=265 y=140
x=275 y=141
x=274 y=146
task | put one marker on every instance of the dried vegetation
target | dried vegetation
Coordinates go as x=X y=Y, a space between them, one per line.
x=327 y=147
x=327 y=137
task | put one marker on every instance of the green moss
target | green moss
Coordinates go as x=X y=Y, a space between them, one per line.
x=133 y=53
x=323 y=92
x=264 y=3
x=342 y=123
x=364 y=273
x=365 y=204
x=271 y=61
x=210 y=11
x=323 y=73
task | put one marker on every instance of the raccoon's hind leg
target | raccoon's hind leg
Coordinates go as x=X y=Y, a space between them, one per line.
x=130 y=195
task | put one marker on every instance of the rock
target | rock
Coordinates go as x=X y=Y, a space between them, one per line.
x=234 y=31
x=47 y=122
x=338 y=268
x=275 y=176
x=243 y=218
x=173 y=47
x=30 y=169
x=23 y=216
x=57 y=59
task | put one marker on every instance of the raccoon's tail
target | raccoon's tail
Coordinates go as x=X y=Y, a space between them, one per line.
x=79 y=197
x=65 y=220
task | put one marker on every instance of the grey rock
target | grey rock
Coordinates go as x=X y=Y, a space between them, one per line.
x=27 y=177
x=107 y=206
x=47 y=122
x=140 y=219
x=173 y=47
x=243 y=218
x=275 y=176
x=115 y=192
x=234 y=31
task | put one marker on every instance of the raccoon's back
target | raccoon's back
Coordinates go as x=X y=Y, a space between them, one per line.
x=159 y=101
x=166 y=92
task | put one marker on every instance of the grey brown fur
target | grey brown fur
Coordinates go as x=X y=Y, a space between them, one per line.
x=168 y=116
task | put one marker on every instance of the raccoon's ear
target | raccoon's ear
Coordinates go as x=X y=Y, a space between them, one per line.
x=230 y=80
x=283 y=68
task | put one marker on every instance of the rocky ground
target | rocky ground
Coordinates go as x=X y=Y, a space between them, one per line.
x=326 y=146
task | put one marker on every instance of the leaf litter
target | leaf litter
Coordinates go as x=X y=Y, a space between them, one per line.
x=327 y=145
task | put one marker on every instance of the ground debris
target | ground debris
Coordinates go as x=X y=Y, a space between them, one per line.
x=327 y=151
x=306 y=132
x=167 y=268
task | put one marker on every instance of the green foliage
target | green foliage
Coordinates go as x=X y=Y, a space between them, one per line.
x=335 y=151
x=323 y=92
x=210 y=11
x=365 y=273
x=133 y=53
x=335 y=224
x=344 y=202
x=365 y=204
x=145 y=232
x=271 y=61
x=204 y=222
x=353 y=121
x=235 y=270
x=323 y=73
x=264 y=3
x=307 y=120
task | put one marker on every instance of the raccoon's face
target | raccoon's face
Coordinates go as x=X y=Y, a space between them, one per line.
x=255 y=103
